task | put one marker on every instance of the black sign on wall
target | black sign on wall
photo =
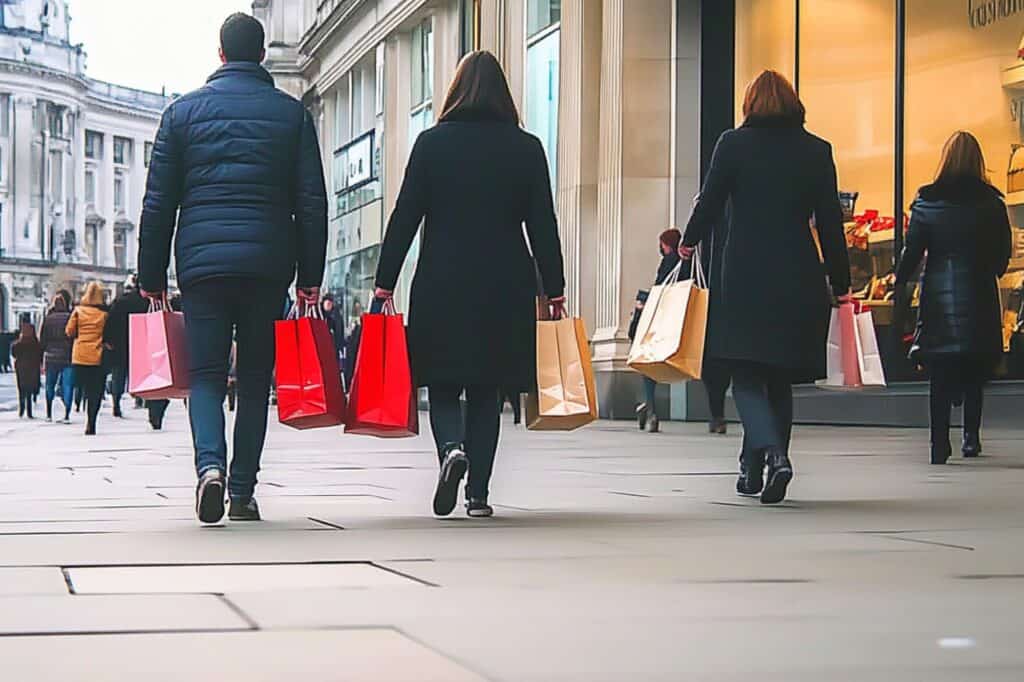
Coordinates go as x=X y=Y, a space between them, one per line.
x=982 y=13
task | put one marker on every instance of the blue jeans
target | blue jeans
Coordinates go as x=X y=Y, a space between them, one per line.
x=215 y=312
x=65 y=375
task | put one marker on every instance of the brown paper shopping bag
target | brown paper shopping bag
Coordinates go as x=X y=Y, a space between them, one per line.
x=566 y=395
x=669 y=343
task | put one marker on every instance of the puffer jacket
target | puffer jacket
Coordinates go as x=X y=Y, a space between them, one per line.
x=236 y=165
x=55 y=342
x=85 y=326
x=963 y=229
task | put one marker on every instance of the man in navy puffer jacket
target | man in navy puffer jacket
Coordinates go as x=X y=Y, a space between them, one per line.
x=236 y=182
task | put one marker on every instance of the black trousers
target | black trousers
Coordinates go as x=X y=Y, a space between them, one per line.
x=476 y=431
x=764 y=399
x=91 y=379
x=955 y=378
x=24 y=403
x=716 y=378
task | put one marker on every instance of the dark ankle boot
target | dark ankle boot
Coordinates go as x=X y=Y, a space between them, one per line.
x=972 y=445
x=941 y=451
x=751 y=480
x=780 y=473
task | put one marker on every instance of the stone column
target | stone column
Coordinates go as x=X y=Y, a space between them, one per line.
x=635 y=178
x=579 y=138
x=24 y=135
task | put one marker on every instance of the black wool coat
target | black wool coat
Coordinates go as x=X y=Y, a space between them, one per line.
x=962 y=228
x=236 y=181
x=472 y=315
x=770 y=302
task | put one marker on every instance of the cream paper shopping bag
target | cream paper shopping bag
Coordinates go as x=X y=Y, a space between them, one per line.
x=566 y=395
x=669 y=344
x=869 y=357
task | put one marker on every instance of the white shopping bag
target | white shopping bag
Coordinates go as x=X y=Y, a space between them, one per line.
x=853 y=360
x=869 y=358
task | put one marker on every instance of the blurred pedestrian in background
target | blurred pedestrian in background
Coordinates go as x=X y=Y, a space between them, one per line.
x=668 y=249
x=85 y=326
x=960 y=228
x=57 y=357
x=28 y=363
x=115 y=337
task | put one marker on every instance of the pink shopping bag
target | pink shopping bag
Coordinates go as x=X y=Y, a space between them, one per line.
x=158 y=354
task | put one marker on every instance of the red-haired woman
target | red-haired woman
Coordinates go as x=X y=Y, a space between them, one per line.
x=769 y=312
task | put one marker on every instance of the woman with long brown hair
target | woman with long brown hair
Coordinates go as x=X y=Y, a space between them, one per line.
x=769 y=312
x=473 y=180
x=960 y=222
x=85 y=327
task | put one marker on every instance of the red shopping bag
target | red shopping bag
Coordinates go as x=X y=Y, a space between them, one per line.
x=158 y=354
x=307 y=379
x=382 y=401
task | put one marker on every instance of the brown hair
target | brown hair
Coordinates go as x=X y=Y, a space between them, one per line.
x=962 y=158
x=771 y=97
x=671 y=238
x=94 y=295
x=479 y=90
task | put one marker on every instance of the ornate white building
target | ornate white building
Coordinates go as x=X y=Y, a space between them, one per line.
x=73 y=159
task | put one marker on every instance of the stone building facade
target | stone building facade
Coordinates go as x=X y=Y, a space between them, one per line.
x=73 y=158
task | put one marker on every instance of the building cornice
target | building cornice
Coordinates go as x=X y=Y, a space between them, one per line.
x=321 y=31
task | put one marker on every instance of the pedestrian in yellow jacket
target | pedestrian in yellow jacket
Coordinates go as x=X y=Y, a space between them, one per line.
x=85 y=326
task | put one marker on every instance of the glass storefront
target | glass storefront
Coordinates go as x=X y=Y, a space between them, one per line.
x=542 y=87
x=960 y=73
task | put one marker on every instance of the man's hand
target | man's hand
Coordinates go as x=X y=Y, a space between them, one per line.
x=383 y=294
x=152 y=295
x=686 y=252
x=557 y=307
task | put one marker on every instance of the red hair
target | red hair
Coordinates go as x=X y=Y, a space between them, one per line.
x=671 y=238
x=772 y=97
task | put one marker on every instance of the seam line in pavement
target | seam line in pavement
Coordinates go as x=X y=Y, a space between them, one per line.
x=402 y=574
x=889 y=536
x=237 y=610
x=67 y=580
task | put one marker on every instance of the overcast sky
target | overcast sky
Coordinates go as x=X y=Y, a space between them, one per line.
x=150 y=44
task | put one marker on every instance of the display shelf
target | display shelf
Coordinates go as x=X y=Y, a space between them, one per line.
x=1015 y=198
x=1013 y=77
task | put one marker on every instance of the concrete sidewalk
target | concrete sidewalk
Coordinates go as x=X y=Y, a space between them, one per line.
x=615 y=556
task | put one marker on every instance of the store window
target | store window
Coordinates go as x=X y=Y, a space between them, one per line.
x=147 y=153
x=120 y=248
x=5 y=115
x=422 y=65
x=765 y=39
x=122 y=150
x=119 y=194
x=540 y=14
x=542 y=84
x=92 y=241
x=90 y=187
x=93 y=144
x=469 y=20
x=967 y=74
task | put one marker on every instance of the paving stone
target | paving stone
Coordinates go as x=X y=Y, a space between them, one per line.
x=230 y=578
x=35 y=580
x=116 y=613
x=382 y=655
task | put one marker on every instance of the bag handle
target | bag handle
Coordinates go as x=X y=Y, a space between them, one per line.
x=159 y=305
x=697 y=269
x=383 y=306
x=303 y=309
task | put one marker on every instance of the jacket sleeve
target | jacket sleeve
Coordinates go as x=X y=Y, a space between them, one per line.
x=1003 y=240
x=405 y=219
x=913 y=250
x=71 y=329
x=160 y=205
x=44 y=336
x=542 y=226
x=828 y=221
x=710 y=206
x=310 y=207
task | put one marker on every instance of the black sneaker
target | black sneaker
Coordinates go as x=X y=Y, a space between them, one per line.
x=479 y=509
x=641 y=416
x=780 y=473
x=972 y=445
x=751 y=480
x=210 y=496
x=244 y=510
x=453 y=468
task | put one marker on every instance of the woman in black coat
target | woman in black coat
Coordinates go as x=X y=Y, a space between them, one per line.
x=474 y=179
x=960 y=222
x=769 y=315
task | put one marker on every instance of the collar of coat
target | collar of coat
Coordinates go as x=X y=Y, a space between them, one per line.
x=249 y=69
x=959 y=190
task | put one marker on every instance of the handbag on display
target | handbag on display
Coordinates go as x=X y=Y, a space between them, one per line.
x=307 y=379
x=158 y=353
x=669 y=344
x=1015 y=173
